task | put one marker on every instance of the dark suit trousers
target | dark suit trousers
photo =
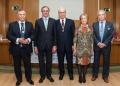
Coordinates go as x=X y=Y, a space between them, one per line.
x=45 y=62
x=69 y=57
x=17 y=59
x=106 y=60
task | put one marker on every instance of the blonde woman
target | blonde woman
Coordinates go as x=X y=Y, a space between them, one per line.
x=83 y=47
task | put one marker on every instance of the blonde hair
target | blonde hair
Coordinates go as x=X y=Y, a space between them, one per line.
x=83 y=15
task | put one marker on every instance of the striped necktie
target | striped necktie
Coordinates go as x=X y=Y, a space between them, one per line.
x=63 y=25
x=22 y=30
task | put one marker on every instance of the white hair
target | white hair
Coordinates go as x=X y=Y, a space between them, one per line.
x=61 y=9
x=101 y=12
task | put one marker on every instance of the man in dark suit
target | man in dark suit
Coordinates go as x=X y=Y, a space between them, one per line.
x=64 y=34
x=45 y=41
x=20 y=36
x=103 y=33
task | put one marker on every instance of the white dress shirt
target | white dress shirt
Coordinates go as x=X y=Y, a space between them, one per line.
x=45 y=20
x=19 y=22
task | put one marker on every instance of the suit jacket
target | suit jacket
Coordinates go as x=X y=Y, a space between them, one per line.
x=14 y=33
x=65 y=38
x=108 y=33
x=43 y=38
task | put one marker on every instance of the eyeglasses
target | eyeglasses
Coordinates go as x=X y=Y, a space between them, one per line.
x=45 y=11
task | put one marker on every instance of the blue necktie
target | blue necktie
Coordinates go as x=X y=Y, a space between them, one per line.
x=46 y=23
x=101 y=30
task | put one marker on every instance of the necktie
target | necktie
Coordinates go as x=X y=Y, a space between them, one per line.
x=46 y=23
x=22 y=30
x=101 y=31
x=62 y=25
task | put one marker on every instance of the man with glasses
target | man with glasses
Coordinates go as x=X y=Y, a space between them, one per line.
x=45 y=41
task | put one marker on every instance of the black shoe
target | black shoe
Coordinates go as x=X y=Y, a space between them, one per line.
x=94 y=78
x=80 y=79
x=41 y=79
x=61 y=77
x=71 y=77
x=18 y=83
x=106 y=79
x=31 y=82
x=84 y=80
x=51 y=79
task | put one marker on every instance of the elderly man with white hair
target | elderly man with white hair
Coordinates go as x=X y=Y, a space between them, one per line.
x=103 y=33
x=64 y=36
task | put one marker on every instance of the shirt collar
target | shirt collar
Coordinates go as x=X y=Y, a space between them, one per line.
x=63 y=19
x=45 y=18
x=103 y=21
x=21 y=22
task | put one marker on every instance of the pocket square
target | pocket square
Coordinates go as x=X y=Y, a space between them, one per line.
x=108 y=28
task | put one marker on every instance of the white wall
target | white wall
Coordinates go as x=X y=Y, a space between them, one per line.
x=73 y=7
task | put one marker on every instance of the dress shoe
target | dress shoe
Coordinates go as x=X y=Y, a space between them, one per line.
x=84 y=79
x=94 y=78
x=80 y=79
x=41 y=79
x=106 y=80
x=51 y=79
x=31 y=82
x=71 y=77
x=18 y=83
x=61 y=77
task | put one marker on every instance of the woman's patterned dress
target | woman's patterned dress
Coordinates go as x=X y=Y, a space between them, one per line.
x=84 y=40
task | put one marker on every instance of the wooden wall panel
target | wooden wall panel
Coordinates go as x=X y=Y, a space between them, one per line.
x=30 y=6
x=107 y=4
x=12 y=14
x=115 y=54
x=5 y=57
x=1 y=9
x=118 y=16
x=32 y=9
x=2 y=17
x=91 y=7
